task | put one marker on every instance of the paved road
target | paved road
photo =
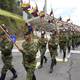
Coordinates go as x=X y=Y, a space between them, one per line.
x=62 y=71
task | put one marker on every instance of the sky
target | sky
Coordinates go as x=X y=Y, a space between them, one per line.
x=65 y=8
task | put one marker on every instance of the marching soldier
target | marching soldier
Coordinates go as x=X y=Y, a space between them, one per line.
x=6 y=47
x=52 y=45
x=69 y=40
x=63 y=42
x=30 y=48
x=73 y=39
x=42 y=48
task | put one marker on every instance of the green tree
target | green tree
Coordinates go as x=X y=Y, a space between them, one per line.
x=11 y=6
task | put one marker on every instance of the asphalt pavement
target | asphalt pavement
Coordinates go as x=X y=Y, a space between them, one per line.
x=69 y=70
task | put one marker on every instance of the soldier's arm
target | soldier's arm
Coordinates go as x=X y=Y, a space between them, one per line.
x=23 y=46
x=22 y=51
x=1 y=49
x=11 y=45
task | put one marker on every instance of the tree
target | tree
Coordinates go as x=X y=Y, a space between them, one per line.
x=11 y=6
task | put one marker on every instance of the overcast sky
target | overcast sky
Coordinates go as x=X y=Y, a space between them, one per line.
x=64 y=8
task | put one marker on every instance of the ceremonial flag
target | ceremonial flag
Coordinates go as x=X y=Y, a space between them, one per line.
x=13 y=38
x=51 y=12
x=68 y=19
x=42 y=14
x=25 y=6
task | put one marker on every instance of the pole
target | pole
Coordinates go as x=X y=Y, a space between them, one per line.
x=7 y=35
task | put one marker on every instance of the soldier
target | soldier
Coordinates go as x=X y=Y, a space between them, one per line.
x=69 y=39
x=30 y=48
x=52 y=45
x=6 y=47
x=63 y=42
x=73 y=39
x=42 y=48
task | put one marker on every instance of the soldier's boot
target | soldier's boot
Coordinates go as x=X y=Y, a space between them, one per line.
x=34 y=78
x=51 y=67
x=45 y=59
x=41 y=63
x=2 y=76
x=14 y=73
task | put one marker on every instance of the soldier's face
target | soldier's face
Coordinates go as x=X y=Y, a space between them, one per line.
x=27 y=37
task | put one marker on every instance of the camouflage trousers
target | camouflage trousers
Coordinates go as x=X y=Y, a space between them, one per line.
x=53 y=53
x=7 y=61
x=63 y=48
x=42 y=52
x=30 y=68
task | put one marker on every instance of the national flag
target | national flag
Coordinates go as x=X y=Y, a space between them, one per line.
x=25 y=6
x=42 y=14
x=68 y=19
x=13 y=38
x=51 y=12
x=60 y=18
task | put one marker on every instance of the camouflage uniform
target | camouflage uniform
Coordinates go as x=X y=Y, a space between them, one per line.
x=6 y=48
x=69 y=42
x=42 y=47
x=52 y=45
x=73 y=40
x=63 y=43
x=29 y=58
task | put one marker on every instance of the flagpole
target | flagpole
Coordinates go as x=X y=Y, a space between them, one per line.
x=8 y=37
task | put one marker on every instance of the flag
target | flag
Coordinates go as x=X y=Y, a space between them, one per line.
x=51 y=12
x=60 y=18
x=68 y=19
x=25 y=6
x=35 y=11
x=42 y=14
x=13 y=38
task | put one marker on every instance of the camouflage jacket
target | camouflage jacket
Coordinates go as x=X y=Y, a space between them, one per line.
x=42 y=43
x=53 y=43
x=6 y=47
x=63 y=39
x=29 y=51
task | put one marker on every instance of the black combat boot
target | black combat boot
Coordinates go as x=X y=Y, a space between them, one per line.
x=45 y=59
x=2 y=76
x=34 y=78
x=14 y=73
x=51 y=67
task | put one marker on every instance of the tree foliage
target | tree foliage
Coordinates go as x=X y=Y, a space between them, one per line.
x=7 y=18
